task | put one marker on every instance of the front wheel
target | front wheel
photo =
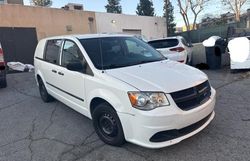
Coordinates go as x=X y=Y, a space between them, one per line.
x=107 y=125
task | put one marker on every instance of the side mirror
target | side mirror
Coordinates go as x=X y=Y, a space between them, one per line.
x=76 y=66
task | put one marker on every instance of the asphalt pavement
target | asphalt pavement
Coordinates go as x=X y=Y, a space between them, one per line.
x=31 y=130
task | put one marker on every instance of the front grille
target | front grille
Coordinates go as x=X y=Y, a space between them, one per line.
x=192 y=97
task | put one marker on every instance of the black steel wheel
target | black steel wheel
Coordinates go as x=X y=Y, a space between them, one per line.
x=107 y=125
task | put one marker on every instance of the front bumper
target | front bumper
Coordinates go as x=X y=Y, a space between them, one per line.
x=141 y=127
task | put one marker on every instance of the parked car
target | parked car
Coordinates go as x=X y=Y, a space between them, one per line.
x=3 y=82
x=129 y=90
x=174 y=48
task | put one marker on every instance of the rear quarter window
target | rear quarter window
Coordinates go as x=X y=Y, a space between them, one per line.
x=168 y=43
x=52 y=51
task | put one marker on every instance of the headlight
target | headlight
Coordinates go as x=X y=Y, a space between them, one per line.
x=148 y=100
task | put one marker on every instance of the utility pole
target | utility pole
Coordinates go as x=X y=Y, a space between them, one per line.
x=167 y=3
x=248 y=18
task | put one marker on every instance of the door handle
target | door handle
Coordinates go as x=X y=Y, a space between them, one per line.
x=54 y=71
x=60 y=73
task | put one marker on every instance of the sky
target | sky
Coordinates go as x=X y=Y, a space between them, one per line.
x=129 y=7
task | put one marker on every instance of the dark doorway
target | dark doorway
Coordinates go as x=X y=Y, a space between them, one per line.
x=18 y=44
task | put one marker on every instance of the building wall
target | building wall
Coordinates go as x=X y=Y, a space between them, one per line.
x=53 y=22
x=191 y=27
x=47 y=21
x=151 y=27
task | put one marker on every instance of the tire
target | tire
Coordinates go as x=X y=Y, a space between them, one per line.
x=43 y=92
x=3 y=83
x=107 y=125
x=234 y=71
x=189 y=62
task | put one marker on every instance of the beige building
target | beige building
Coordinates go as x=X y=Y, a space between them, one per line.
x=52 y=21
x=150 y=27
x=73 y=6
x=47 y=21
x=22 y=26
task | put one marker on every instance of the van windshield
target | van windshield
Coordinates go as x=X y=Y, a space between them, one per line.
x=117 y=52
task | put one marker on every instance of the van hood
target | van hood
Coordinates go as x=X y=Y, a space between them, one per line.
x=166 y=76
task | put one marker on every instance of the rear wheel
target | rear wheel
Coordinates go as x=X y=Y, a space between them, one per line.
x=234 y=71
x=189 y=61
x=43 y=92
x=107 y=125
x=3 y=83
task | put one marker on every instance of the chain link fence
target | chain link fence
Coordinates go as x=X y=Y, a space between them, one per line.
x=224 y=31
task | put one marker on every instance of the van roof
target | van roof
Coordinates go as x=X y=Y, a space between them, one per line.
x=89 y=36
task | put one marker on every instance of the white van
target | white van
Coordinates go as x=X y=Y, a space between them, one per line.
x=129 y=90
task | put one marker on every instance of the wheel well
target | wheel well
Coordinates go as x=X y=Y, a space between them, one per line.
x=38 y=77
x=95 y=102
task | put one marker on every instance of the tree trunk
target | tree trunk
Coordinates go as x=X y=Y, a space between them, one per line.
x=237 y=16
x=167 y=3
x=194 y=24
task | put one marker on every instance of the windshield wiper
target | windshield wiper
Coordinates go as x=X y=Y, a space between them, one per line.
x=111 y=66
x=146 y=61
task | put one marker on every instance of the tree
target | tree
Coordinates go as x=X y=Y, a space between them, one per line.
x=235 y=6
x=197 y=7
x=184 y=7
x=169 y=14
x=44 y=3
x=145 y=8
x=114 y=6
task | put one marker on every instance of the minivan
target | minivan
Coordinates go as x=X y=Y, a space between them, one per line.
x=130 y=91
